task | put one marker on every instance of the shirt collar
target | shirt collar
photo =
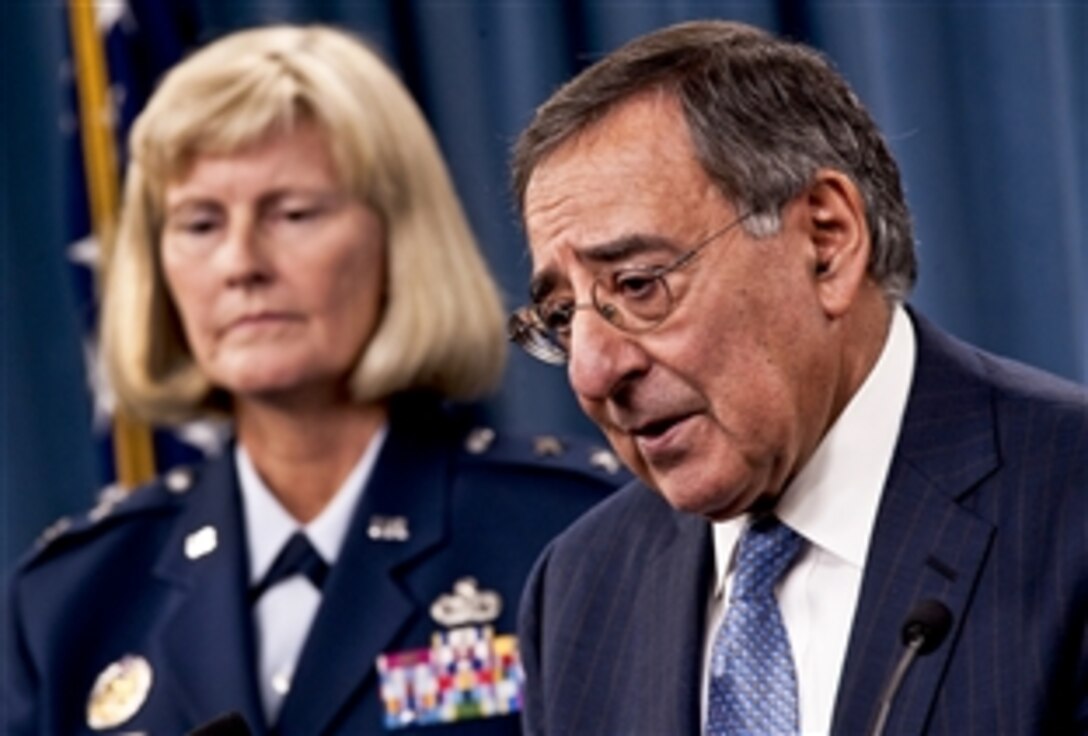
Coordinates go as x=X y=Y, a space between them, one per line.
x=268 y=524
x=832 y=502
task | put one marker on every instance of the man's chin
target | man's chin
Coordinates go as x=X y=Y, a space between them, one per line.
x=713 y=505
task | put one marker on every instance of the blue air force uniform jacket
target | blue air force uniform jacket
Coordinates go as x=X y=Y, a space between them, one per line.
x=134 y=619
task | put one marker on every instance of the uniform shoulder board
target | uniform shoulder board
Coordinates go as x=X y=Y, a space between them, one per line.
x=572 y=454
x=114 y=502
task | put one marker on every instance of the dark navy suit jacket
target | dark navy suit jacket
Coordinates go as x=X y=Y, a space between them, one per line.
x=985 y=509
x=121 y=583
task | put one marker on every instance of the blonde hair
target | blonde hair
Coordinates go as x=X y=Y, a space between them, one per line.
x=442 y=323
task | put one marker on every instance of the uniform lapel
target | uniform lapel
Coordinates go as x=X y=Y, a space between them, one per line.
x=207 y=636
x=926 y=544
x=364 y=603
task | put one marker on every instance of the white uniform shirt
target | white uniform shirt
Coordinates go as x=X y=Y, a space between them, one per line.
x=283 y=615
x=832 y=503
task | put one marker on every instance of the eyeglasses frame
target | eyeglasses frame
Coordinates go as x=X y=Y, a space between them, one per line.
x=525 y=326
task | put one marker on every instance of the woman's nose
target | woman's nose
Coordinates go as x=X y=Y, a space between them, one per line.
x=243 y=256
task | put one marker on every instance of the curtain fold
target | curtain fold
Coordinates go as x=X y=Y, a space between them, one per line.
x=985 y=106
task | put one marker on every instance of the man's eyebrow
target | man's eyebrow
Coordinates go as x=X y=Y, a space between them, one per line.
x=627 y=247
x=611 y=252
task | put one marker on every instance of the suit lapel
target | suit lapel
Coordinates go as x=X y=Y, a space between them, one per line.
x=365 y=605
x=672 y=605
x=926 y=543
x=207 y=637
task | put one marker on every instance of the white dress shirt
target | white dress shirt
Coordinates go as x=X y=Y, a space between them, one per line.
x=832 y=504
x=283 y=615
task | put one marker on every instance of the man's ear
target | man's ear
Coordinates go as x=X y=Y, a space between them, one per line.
x=832 y=214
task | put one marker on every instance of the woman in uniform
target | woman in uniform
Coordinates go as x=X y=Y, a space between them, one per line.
x=292 y=258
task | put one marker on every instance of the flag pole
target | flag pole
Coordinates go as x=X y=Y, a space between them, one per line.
x=132 y=448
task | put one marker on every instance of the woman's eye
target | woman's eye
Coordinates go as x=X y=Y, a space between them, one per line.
x=297 y=210
x=196 y=226
x=299 y=214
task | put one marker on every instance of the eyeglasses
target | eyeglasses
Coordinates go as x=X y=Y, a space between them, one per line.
x=634 y=299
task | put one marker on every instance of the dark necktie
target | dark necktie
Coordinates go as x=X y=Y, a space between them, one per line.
x=297 y=557
x=753 y=683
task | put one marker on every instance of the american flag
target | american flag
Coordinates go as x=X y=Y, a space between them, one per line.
x=117 y=52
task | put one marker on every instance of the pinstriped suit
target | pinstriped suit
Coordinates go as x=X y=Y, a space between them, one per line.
x=985 y=509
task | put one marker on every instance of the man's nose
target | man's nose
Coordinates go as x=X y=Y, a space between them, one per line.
x=602 y=357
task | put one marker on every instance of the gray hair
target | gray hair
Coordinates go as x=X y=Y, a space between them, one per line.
x=764 y=115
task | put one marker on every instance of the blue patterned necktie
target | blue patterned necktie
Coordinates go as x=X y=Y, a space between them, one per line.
x=753 y=684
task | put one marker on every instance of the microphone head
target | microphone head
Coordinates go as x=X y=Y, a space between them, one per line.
x=927 y=625
x=228 y=724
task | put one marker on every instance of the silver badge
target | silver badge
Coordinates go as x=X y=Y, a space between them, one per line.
x=388 y=529
x=201 y=542
x=466 y=605
x=605 y=460
x=108 y=497
x=547 y=445
x=479 y=440
x=53 y=531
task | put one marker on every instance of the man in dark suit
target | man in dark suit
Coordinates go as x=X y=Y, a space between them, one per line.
x=721 y=254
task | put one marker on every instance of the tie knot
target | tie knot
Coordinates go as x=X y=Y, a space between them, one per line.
x=767 y=550
x=297 y=557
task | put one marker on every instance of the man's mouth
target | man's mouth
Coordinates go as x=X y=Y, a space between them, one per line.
x=656 y=427
x=664 y=441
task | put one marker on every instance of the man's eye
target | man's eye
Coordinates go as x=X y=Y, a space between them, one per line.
x=636 y=285
x=556 y=316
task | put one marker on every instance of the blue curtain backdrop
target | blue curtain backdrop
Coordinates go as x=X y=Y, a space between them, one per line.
x=985 y=105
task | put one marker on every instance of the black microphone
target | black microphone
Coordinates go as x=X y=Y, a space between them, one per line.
x=228 y=724
x=923 y=631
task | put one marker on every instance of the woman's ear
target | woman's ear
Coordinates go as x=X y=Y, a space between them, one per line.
x=833 y=217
